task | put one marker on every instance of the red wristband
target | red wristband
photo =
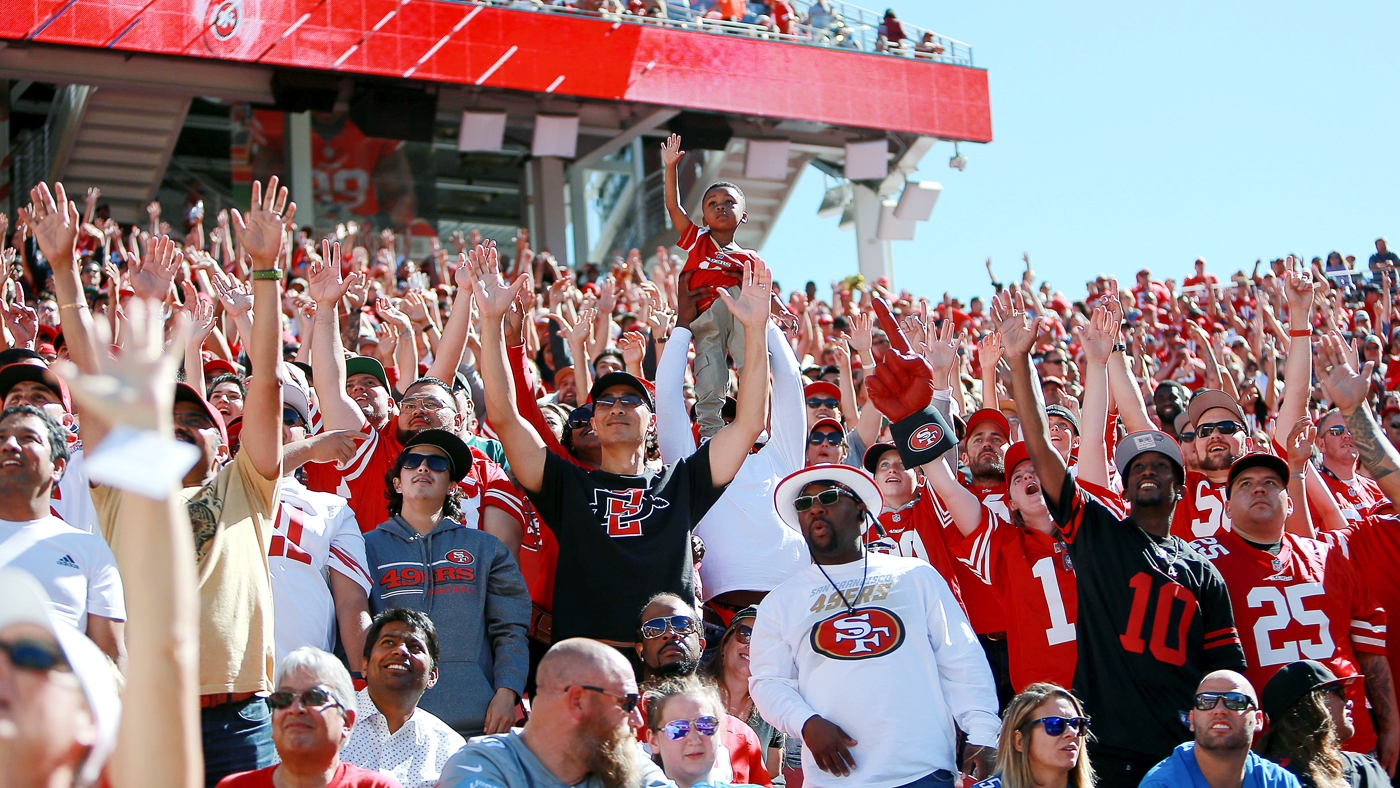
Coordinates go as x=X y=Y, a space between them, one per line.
x=1299 y=332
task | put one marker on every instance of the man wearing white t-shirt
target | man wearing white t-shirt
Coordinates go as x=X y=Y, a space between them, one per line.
x=317 y=554
x=76 y=568
x=29 y=382
x=855 y=619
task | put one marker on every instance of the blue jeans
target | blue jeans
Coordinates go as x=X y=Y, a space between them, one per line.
x=237 y=738
x=939 y=779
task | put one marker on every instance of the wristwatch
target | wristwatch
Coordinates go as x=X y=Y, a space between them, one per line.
x=1120 y=348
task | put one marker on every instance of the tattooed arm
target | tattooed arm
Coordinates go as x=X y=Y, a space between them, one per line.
x=1348 y=389
x=1380 y=691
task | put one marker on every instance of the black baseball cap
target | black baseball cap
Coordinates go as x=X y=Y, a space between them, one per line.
x=621 y=379
x=1064 y=413
x=457 y=450
x=871 y=460
x=1293 y=682
x=1256 y=459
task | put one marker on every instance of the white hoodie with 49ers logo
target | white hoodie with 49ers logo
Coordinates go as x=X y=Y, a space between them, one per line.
x=894 y=674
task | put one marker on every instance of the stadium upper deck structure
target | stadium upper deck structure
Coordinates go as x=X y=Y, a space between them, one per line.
x=434 y=115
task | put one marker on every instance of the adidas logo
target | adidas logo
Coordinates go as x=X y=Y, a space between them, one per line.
x=67 y=560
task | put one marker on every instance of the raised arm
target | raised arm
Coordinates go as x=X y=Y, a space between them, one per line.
x=1018 y=330
x=1347 y=389
x=1299 y=445
x=327 y=289
x=261 y=232
x=1097 y=339
x=961 y=503
x=671 y=154
x=53 y=220
x=524 y=448
x=447 y=356
x=1297 y=371
x=731 y=445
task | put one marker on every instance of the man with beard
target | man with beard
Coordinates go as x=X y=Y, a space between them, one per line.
x=354 y=394
x=855 y=618
x=391 y=734
x=1224 y=718
x=671 y=642
x=1154 y=615
x=1170 y=400
x=582 y=730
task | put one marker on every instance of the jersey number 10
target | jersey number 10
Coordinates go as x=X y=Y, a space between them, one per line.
x=1167 y=595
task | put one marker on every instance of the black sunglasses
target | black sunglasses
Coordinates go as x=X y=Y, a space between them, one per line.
x=1055 y=726
x=627 y=702
x=625 y=400
x=290 y=418
x=656 y=627
x=1337 y=430
x=436 y=463
x=34 y=655
x=1188 y=435
x=1223 y=427
x=818 y=437
x=826 y=498
x=822 y=402
x=1394 y=425
x=580 y=416
x=1234 y=701
x=314 y=698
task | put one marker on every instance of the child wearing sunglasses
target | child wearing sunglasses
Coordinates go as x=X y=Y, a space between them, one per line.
x=683 y=717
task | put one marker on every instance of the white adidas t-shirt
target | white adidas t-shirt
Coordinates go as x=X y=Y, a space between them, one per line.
x=76 y=568
x=315 y=533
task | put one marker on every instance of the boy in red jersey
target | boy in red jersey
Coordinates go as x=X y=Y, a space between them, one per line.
x=714 y=261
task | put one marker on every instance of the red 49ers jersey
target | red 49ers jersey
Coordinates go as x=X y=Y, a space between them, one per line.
x=1372 y=546
x=1355 y=498
x=1032 y=575
x=713 y=266
x=984 y=608
x=1201 y=510
x=342 y=167
x=1304 y=603
x=917 y=532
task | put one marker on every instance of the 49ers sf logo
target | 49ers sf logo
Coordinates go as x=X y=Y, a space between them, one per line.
x=925 y=437
x=867 y=632
x=224 y=17
x=622 y=511
x=460 y=556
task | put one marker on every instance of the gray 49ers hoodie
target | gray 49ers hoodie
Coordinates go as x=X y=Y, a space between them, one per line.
x=470 y=586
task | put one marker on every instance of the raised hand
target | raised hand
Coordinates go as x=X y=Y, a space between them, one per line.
x=235 y=295
x=54 y=222
x=943 y=349
x=263 y=229
x=1340 y=381
x=989 y=350
x=1099 y=337
x=135 y=388
x=391 y=314
x=1300 y=444
x=481 y=271
x=1015 y=325
x=152 y=276
x=1299 y=287
x=751 y=307
x=200 y=314
x=671 y=150
x=633 y=346
x=323 y=279
x=416 y=308
x=862 y=332
x=582 y=328
x=22 y=321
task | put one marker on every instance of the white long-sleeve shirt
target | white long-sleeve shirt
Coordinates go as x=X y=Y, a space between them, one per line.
x=747 y=546
x=894 y=675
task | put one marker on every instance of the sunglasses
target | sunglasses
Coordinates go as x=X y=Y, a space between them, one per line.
x=1337 y=430
x=676 y=730
x=580 y=416
x=1394 y=425
x=628 y=401
x=656 y=627
x=34 y=655
x=436 y=463
x=819 y=437
x=314 y=698
x=822 y=402
x=1223 y=427
x=1055 y=726
x=290 y=418
x=826 y=498
x=626 y=702
x=1188 y=435
x=1234 y=701
x=744 y=634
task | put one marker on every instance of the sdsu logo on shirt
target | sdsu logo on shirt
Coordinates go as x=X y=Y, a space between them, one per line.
x=622 y=511
x=867 y=632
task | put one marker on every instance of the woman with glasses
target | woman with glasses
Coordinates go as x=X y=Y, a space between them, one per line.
x=313 y=712
x=683 y=717
x=1310 y=717
x=1042 y=744
x=729 y=670
x=465 y=579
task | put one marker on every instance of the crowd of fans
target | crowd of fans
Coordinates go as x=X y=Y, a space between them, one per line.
x=279 y=509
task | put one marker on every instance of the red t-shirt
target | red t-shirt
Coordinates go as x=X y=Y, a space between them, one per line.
x=346 y=776
x=361 y=482
x=1355 y=498
x=917 y=532
x=980 y=600
x=782 y=16
x=1201 y=510
x=1304 y=603
x=1373 y=547
x=713 y=267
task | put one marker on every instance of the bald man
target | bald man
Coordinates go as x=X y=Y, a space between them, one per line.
x=1224 y=718
x=582 y=730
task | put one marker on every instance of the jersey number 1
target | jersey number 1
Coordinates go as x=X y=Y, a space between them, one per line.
x=1060 y=631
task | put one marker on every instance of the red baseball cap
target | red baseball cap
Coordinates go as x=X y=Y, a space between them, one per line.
x=1016 y=454
x=217 y=367
x=829 y=423
x=820 y=387
x=988 y=414
x=22 y=371
x=184 y=392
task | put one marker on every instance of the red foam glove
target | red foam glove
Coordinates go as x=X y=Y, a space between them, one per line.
x=902 y=384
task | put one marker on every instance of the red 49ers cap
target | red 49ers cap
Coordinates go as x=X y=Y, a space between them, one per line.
x=988 y=414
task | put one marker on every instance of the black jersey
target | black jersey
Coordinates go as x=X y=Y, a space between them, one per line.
x=622 y=540
x=1154 y=617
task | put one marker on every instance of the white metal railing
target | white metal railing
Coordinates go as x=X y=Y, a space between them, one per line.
x=832 y=24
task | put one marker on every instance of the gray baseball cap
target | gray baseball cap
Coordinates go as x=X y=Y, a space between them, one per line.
x=1142 y=442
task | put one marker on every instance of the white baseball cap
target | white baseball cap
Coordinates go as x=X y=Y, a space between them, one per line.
x=860 y=482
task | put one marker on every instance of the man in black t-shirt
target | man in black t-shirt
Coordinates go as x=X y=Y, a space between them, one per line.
x=1154 y=615
x=623 y=529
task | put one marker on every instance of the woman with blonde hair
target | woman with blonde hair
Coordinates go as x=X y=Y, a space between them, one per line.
x=1042 y=742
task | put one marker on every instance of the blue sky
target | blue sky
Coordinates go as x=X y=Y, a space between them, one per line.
x=1132 y=134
